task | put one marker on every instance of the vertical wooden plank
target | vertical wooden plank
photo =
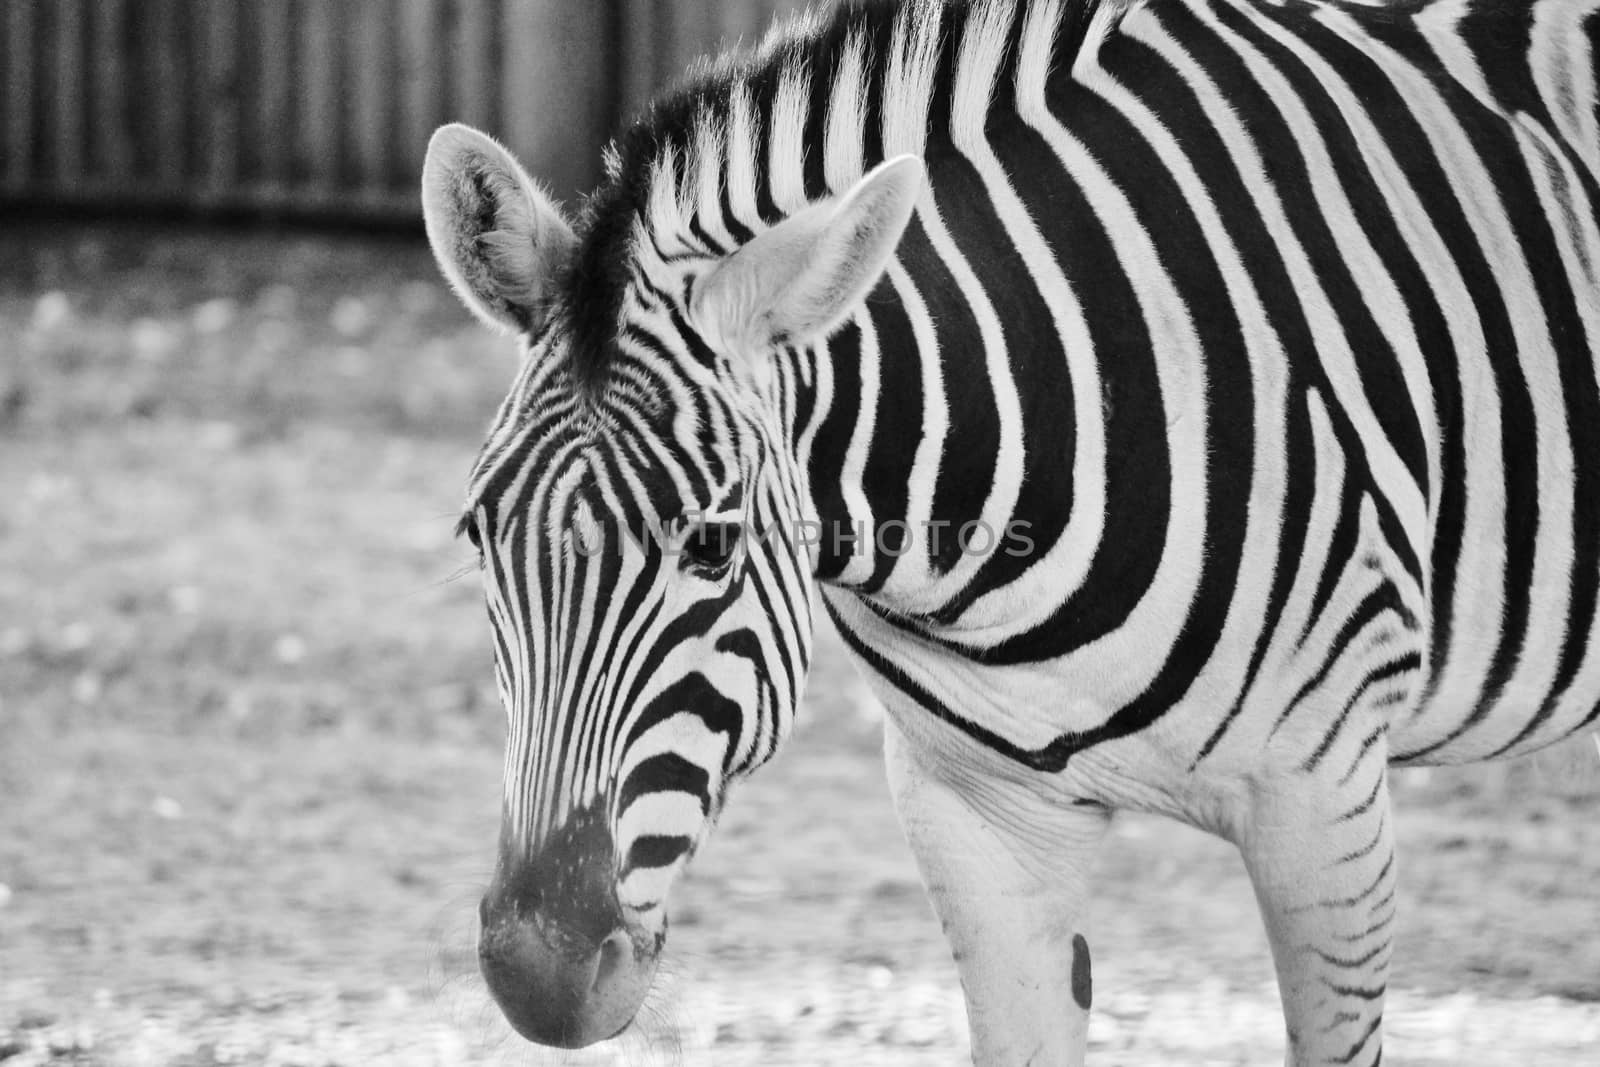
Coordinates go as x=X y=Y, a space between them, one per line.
x=113 y=155
x=422 y=96
x=556 y=92
x=675 y=35
x=735 y=22
x=220 y=107
x=274 y=115
x=749 y=20
x=319 y=99
x=19 y=98
x=704 y=32
x=6 y=137
x=372 y=65
x=757 y=16
x=163 y=100
x=474 y=62
x=246 y=84
x=526 y=44
x=641 y=30
x=67 y=91
x=663 y=39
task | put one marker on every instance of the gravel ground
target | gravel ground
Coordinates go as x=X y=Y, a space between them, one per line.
x=866 y=1017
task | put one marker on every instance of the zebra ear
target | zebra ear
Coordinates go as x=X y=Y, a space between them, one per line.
x=498 y=238
x=797 y=282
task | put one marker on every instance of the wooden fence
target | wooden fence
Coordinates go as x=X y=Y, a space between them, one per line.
x=301 y=107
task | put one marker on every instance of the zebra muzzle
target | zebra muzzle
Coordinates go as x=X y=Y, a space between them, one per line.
x=564 y=964
x=559 y=990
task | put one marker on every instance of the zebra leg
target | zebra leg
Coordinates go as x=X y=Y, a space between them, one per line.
x=1322 y=862
x=1008 y=874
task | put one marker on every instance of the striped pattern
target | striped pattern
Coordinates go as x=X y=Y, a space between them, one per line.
x=1229 y=415
x=637 y=681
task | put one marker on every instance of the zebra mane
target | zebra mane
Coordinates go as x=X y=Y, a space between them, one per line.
x=748 y=139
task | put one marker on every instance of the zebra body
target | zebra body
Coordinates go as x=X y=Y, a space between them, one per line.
x=1256 y=342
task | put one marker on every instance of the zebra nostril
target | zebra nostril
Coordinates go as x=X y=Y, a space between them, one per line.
x=616 y=959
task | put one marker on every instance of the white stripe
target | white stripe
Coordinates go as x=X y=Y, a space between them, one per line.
x=909 y=80
x=665 y=209
x=1037 y=50
x=706 y=169
x=820 y=359
x=842 y=160
x=684 y=735
x=983 y=50
x=911 y=571
x=741 y=148
x=786 y=138
x=1470 y=653
x=1283 y=667
x=1562 y=63
x=1439 y=23
x=648 y=886
x=858 y=507
x=670 y=813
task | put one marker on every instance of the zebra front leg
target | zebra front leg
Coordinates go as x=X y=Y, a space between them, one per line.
x=1322 y=862
x=1008 y=874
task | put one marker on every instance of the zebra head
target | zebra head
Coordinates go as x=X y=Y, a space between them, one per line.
x=639 y=514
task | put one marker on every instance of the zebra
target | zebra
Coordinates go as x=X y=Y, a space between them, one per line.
x=1178 y=406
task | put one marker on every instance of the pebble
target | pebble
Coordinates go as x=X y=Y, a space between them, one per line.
x=87 y=688
x=351 y=317
x=77 y=636
x=185 y=599
x=51 y=311
x=152 y=340
x=218 y=436
x=214 y=316
x=167 y=808
x=289 y=649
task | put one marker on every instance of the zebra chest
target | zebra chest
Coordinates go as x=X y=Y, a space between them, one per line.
x=1042 y=715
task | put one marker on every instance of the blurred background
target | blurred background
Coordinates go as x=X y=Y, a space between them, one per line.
x=249 y=742
x=296 y=108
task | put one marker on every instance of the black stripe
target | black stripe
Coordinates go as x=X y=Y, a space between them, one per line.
x=665 y=773
x=832 y=442
x=1395 y=668
x=654 y=850
x=897 y=430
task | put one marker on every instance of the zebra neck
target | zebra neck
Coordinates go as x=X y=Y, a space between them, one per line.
x=957 y=437
x=913 y=456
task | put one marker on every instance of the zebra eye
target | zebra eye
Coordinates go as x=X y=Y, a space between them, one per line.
x=711 y=546
x=468 y=528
